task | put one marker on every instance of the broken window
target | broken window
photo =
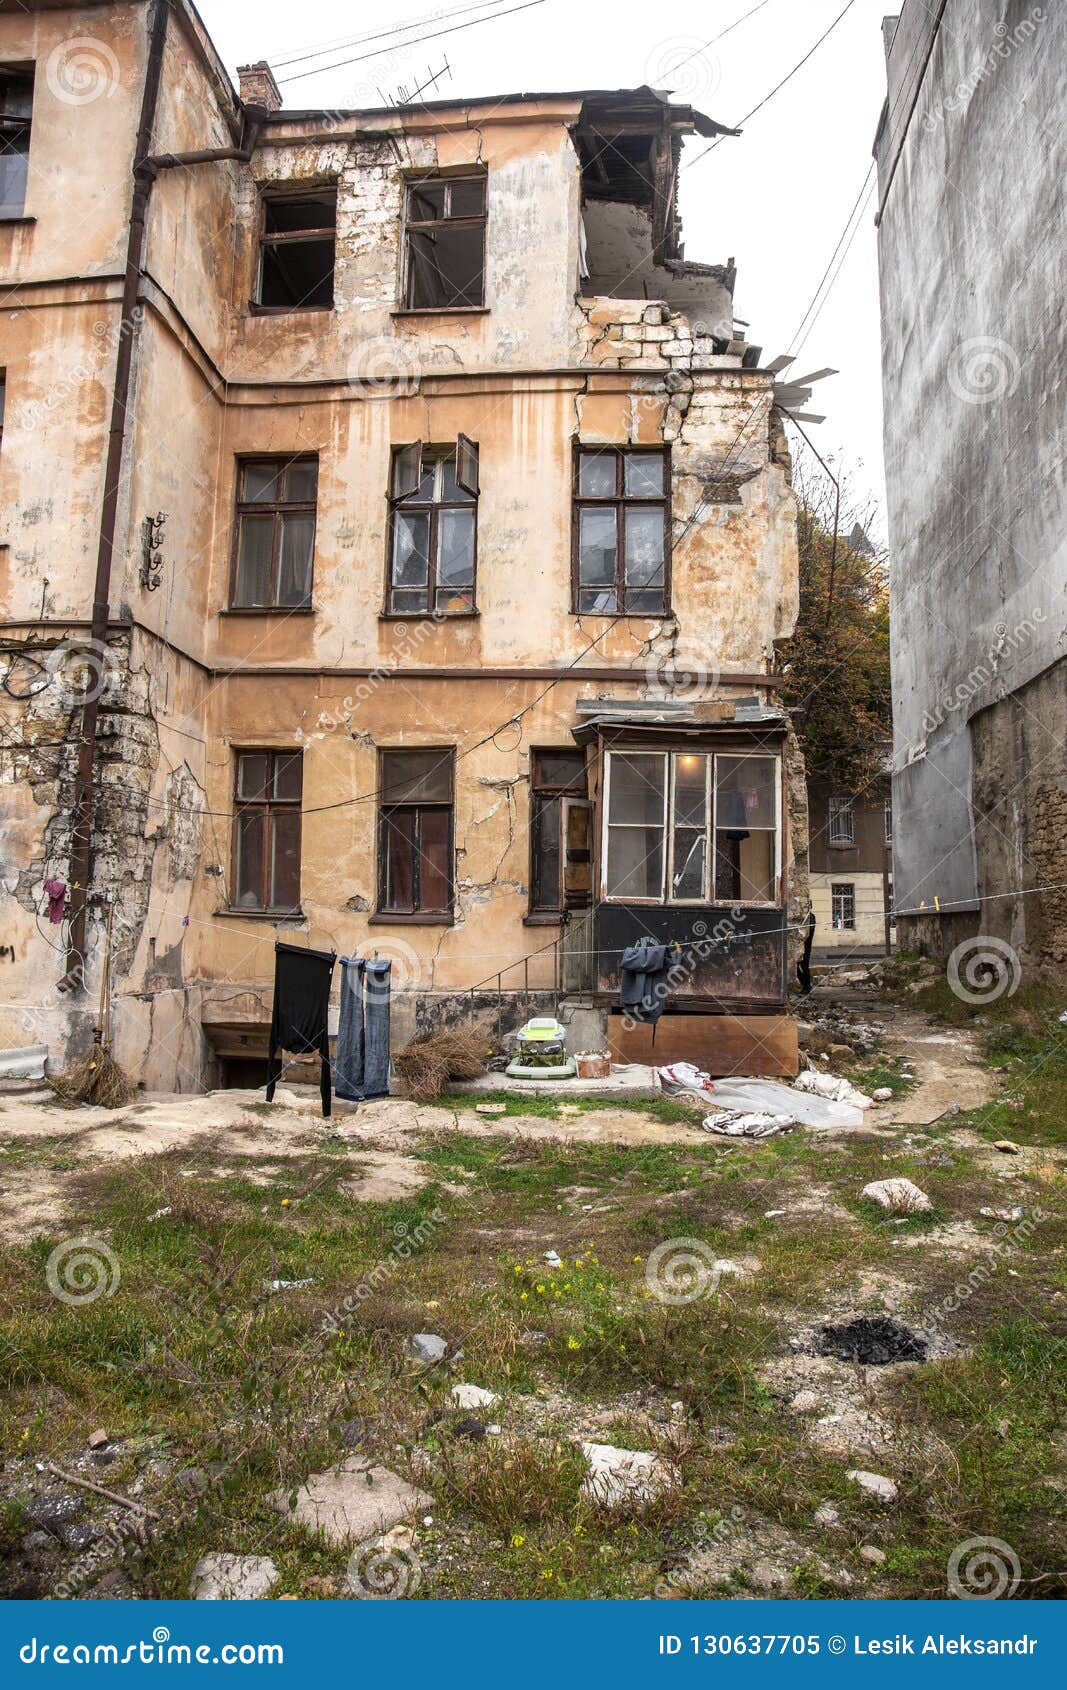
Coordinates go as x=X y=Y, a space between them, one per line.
x=415 y=832
x=842 y=905
x=841 y=824
x=621 y=532
x=679 y=823
x=275 y=538
x=444 y=241
x=16 y=112
x=296 y=251
x=433 y=520
x=560 y=850
x=266 y=850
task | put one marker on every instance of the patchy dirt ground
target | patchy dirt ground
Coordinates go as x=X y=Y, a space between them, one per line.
x=208 y=1303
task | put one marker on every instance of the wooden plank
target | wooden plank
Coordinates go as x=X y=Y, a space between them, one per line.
x=763 y=1045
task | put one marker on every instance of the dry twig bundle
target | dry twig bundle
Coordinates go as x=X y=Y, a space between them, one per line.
x=427 y=1065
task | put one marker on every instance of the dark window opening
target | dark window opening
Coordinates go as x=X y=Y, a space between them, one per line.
x=3 y=403
x=266 y=850
x=560 y=844
x=274 y=544
x=433 y=529
x=16 y=113
x=444 y=238
x=621 y=532
x=415 y=800
x=296 y=251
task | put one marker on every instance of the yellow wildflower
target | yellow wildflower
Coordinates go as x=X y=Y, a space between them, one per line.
x=517 y=1541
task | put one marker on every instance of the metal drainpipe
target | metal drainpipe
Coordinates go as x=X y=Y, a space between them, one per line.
x=145 y=170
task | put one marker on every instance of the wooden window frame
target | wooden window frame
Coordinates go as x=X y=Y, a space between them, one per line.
x=463 y=447
x=619 y=502
x=291 y=237
x=845 y=890
x=278 y=509
x=415 y=917
x=418 y=225
x=266 y=807
x=710 y=900
x=18 y=128
x=552 y=791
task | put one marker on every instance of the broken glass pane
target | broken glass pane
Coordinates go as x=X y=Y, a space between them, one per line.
x=411 y=548
x=455 y=561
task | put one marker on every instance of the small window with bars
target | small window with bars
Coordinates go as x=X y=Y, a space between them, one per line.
x=841 y=825
x=842 y=905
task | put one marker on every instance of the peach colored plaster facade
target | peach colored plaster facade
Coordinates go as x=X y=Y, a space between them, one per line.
x=540 y=368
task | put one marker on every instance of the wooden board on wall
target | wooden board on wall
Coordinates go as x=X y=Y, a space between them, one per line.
x=764 y=1045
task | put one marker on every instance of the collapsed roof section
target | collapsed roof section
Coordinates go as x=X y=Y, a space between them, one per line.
x=629 y=146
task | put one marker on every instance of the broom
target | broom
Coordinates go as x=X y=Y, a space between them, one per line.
x=97 y=1078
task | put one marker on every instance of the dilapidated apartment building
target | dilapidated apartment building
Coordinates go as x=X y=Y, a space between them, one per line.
x=395 y=531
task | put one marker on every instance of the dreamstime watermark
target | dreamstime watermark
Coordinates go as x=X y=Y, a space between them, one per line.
x=983 y=1569
x=63 y=392
x=381 y=1571
x=686 y=66
x=686 y=680
x=1006 y=1236
x=384 y=367
x=82 y=1270
x=983 y=676
x=983 y=969
x=1007 y=40
x=983 y=370
x=82 y=70
x=706 y=1537
x=681 y=1270
x=699 y=947
x=408 y=1241
x=82 y=671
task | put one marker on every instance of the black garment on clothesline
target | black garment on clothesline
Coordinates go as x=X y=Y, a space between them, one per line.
x=300 y=1022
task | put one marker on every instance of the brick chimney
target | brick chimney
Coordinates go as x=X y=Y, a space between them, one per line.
x=258 y=87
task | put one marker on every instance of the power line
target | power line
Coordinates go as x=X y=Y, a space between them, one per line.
x=416 y=41
x=721 y=36
x=779 y=85
x=339 y=46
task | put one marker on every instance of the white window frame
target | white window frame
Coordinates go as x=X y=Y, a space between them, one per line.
x=847 y=887
x=841 y=810
x=711 y=827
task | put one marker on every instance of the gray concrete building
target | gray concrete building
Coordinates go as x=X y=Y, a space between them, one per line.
x=971 y=222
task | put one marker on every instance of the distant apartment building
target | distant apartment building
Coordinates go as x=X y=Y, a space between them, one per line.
x=971 y=240
x=850 y=874
x=395 y=533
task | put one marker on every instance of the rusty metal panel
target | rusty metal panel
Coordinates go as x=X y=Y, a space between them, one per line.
x=728 y=957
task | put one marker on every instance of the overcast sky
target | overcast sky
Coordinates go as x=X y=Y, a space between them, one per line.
x=775 y=198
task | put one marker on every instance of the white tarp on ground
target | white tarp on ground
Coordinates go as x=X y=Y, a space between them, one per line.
x=746 y=1096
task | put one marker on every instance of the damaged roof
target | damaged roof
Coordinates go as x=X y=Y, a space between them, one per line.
x=650 y=104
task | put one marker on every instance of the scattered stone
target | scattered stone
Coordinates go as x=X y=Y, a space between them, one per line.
x=351 y=1502
x=724 y=1269
x=190 y=1481
x=1013 y=1214
x=553 y=1260
x=805 y=1402
x=79 y=1535
x=883 y=1094
x=624 y=1475
x=491 y=1108
x=875 y=1484
x=493 y=1430
x=98 y=1440
x=897 y=1196
x=36 y=1540
x=873 y=1340
x=473 y=1396
x=873 y=1556
x=158 y=1216
x=52 y=1512
x=427 y=1347
x=232 y=1578
x=827 y=1515
x=1006 y=1146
